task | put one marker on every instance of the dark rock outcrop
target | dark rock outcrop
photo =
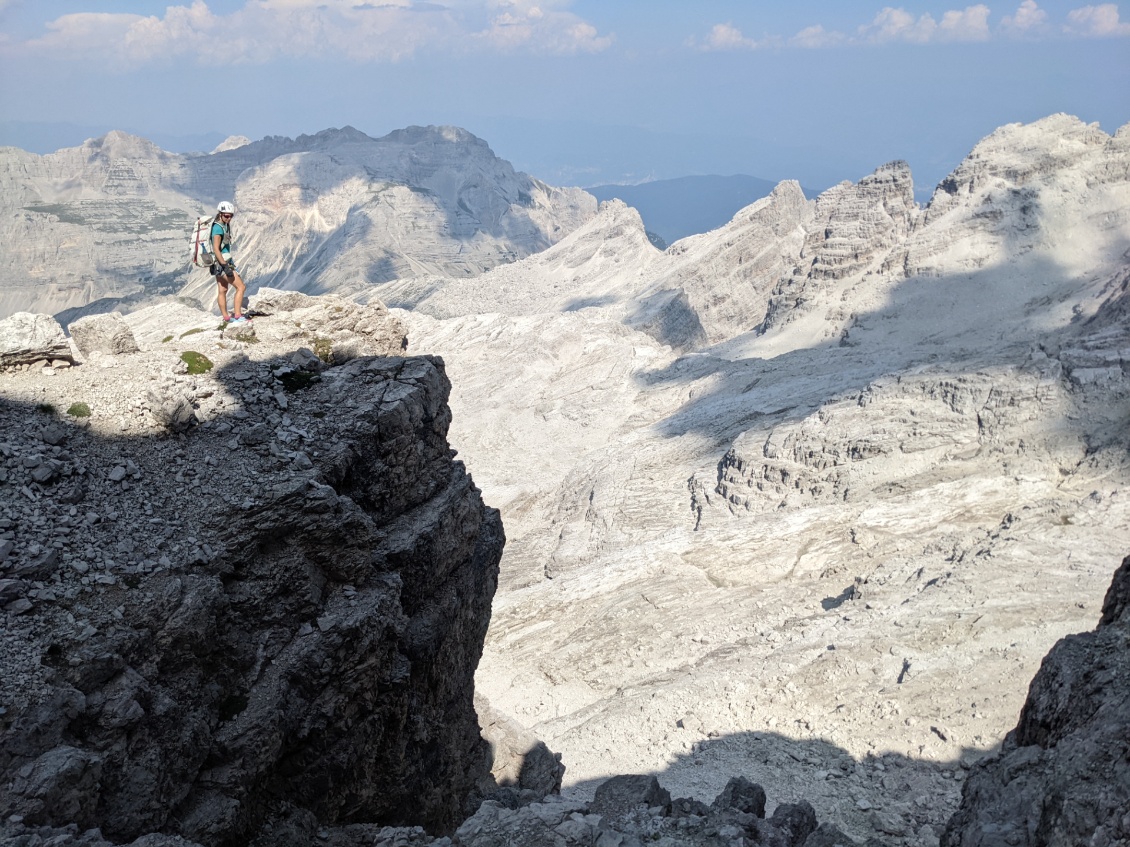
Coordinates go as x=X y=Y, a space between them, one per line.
x=1062 y=776
x=300 y=644
x=634 y=809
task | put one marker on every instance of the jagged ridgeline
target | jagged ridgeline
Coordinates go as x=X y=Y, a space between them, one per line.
x=105 y=222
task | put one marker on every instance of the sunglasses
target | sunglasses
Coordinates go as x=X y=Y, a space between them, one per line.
x=225 y=216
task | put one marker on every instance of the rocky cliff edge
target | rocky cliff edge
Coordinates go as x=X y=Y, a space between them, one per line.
x=1062 y=775
x=243 y=581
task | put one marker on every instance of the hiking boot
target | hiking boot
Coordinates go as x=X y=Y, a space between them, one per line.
x=239 y=320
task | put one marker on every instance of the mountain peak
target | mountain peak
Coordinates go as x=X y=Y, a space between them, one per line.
x=232 y=142
x=334 y=136
x=121 y=145
x=433 y=134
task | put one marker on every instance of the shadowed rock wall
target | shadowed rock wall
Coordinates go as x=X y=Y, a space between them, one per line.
x=301 y=639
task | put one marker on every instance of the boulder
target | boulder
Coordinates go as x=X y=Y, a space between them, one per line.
x=336 y=329
x=622 y=794
x=106 y=333
x=520 y=759
x=742 y=795
x=795 y=821
x=27 y=338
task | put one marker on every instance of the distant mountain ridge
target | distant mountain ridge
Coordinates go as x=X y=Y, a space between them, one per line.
x=688 y=205
x=337 y=210
x=44 y=137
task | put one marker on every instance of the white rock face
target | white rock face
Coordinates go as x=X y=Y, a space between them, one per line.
x=336 y=211
x=599 y=264
x=26 y=339
x=232 y=142
x=108 y=333
x=825 y=539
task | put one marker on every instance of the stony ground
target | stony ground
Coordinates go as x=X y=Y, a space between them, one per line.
x=860 y=651
x=118 y=514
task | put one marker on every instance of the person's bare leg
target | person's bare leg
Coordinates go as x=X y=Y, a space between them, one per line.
x=240 y=288
x=222 y=296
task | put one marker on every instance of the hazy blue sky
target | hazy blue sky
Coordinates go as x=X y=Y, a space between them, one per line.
x=575 y=92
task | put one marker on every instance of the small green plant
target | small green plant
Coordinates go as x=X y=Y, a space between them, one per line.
x=79 y=410
x=324 y=349
x=197 y=363
x=46 y=408
x=166 y=339
x=189 y=332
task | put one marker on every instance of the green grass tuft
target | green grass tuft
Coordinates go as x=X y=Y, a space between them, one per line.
x=197 y=363
x=79 y=410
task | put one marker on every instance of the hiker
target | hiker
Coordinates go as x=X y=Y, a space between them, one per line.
x=223 y=269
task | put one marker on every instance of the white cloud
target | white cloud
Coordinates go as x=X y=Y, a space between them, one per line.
x=1097 y=21
x=816 y=36
x=898 y=25
x=970 y=24
x=358 y=30
x=1029 y=19
x=85 y=33
x=524 y=24
x=725 y=37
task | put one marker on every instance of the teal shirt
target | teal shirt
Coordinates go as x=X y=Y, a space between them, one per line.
x=225 y=241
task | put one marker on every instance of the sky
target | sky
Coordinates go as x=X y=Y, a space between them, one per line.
x=575 y=92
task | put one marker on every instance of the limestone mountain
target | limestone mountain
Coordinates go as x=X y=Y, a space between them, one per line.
x=806 y=498
x=816 y=491
x=333 y=211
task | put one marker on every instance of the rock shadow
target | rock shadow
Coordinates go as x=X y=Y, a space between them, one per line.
x=891 y=341
x=885 y=795
x=588 y=303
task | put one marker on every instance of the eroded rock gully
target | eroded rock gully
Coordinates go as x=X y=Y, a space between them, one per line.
x=273 y=615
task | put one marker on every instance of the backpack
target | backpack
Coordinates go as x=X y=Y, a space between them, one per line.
x=201 y=242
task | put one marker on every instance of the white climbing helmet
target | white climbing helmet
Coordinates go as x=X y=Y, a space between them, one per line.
x=226 y=208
